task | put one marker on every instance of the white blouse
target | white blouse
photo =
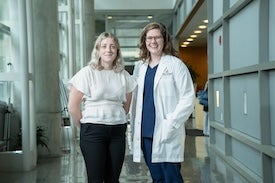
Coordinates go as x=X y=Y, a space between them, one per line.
x=104 y=92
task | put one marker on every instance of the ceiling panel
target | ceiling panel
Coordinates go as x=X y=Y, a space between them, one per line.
x=130 y=14
x=134 y=4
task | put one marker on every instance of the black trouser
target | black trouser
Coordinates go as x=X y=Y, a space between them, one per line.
x=103 y=149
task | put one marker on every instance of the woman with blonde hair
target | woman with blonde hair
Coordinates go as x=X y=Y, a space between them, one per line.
x=104 y=87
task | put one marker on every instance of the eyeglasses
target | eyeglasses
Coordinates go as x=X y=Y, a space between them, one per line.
x=151 y=38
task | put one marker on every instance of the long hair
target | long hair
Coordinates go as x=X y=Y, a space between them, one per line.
x=118 y=64
x=168 y=49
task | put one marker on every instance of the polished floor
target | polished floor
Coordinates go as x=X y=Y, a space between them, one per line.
x=201 y=165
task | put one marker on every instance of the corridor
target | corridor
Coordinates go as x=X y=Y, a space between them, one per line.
x=70 y=168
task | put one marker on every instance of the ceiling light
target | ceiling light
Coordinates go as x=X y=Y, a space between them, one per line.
x=205 y=21
x=202 y=26
x=190 y=39
x=132 y=21
x=183 y=45
x=149 y=16
x=197 y=31
x=109 y=17
x=193 y=36
x=186 y=43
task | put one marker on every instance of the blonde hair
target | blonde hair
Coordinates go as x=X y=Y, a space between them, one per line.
x=118 y=64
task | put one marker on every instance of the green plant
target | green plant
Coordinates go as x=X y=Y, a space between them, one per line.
x=193 y=73
x=41 y=138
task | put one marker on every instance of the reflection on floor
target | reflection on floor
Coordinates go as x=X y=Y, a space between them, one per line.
x=200 y=166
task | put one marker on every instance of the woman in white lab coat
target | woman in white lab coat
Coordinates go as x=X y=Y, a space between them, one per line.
x=164 y=100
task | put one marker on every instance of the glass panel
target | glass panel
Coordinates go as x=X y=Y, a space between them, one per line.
x=4 y=91
x=128 y=42
x=9 y=126
x=128 y=32
x=5 y=48
x=4 y=12
x=10 y=122
x=3 y=143
x=129 y=52
x=77 y=9
x=78 y=47
x=62 y=31
x=62 y=2
x=63 y=42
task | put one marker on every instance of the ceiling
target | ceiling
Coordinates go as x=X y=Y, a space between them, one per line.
x=133 y=14
x=195 y=19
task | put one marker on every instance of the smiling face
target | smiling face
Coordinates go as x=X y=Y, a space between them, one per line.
x=107 y=52
x=154 y=42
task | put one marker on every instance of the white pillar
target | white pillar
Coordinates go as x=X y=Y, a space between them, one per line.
x=28 y=146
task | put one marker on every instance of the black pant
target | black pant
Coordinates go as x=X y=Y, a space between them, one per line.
x=103 y=149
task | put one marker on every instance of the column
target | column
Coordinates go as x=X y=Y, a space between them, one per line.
x=46 y=64
x=89 y=28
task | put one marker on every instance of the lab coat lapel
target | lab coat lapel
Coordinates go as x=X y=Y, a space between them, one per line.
x=161 y=68
x=142 y=71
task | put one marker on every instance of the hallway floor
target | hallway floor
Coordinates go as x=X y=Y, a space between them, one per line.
x=200 y=165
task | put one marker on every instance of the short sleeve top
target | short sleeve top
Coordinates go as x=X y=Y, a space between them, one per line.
x=104 y=93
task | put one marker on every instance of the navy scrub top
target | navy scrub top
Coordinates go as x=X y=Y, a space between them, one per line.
x=148 y=112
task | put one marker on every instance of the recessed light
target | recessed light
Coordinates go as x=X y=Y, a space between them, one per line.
x=197 y=31
x=190 y=39
x=149 y=16
x=193 y=36
x=109 y=17
x=202 y=26
x=186 y=43
x=205 y=21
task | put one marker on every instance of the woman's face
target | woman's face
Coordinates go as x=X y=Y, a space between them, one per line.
x=107 y=52
x=154 y=42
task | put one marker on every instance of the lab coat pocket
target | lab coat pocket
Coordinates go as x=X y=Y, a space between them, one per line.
x=167 y=131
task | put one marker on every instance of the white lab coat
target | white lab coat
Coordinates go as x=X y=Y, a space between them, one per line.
x=174 y=98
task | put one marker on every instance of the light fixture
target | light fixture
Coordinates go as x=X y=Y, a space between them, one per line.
x=197 y=31
x=183 y=45
x=205 y=21
x=202 y=26
x=193 y=36
x=149 y=16
x=109 y=17
x=186 y=43
x=190 y=39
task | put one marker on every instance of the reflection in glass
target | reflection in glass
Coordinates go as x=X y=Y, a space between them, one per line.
x=5 y=47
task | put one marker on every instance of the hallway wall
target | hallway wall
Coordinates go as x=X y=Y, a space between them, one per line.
x=196 y=57
x=241 y=89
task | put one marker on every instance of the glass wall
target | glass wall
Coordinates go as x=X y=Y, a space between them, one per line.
x=8 y=140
